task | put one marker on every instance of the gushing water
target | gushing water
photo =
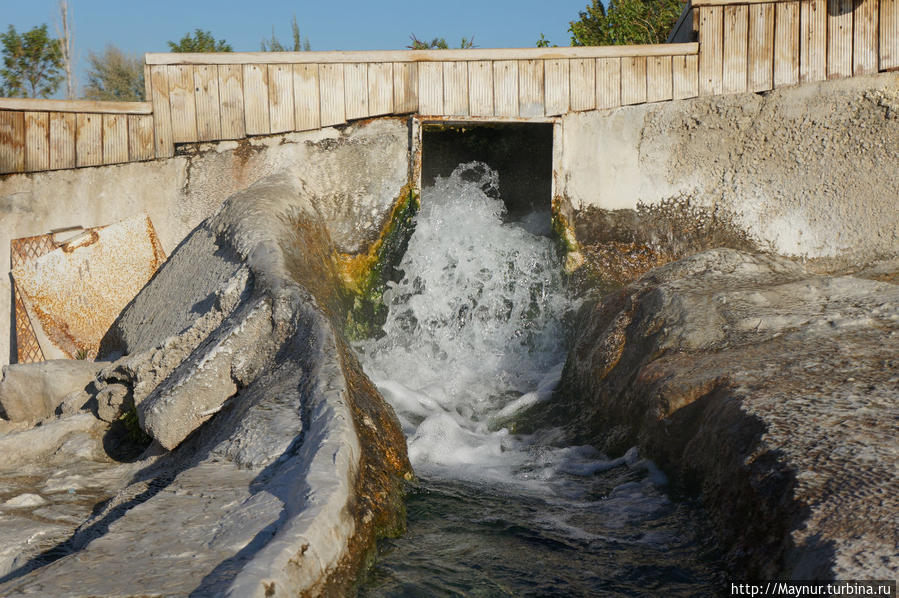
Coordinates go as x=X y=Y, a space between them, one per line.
x=475 y=334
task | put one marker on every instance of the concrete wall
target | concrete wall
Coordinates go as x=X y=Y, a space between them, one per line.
x=807 y=171
x=353 y=174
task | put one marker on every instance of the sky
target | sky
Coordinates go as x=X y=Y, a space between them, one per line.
x=138 y=27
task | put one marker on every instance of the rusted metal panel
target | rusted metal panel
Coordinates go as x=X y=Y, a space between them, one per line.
x=12 y=142
x=62 y=139
x=71 y=293
x=37 y=141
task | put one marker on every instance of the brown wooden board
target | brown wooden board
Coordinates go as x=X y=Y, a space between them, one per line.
x=206 y=95
x=761 y=47
x=531 y=98
x=88 y=139
x=430 y=88
x=557 y=86
x=812 y=40
x=786 y=44
x=865 y=31
x=608 y=82
x=405 y=87
x=231 y=101
x=480 y=88
x=37 y=141
x=306 y=97
x=162 y=113
x=380 y=88
x=839 y=38
x=582 y=73
x=115 y=138
x=736 y=48
x=333 y=105
x=62 y=139
x=711 y=50
x=280 y=98
x=455 y=88
x=889 y=34
x=355 y=85
x=140 y=137
x=685 y=76
x=255 y=99
x=633 y=80
x=505 y=87
x=659 y=85
x=181 y=98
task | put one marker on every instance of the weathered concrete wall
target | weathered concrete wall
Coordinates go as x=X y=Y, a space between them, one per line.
x=353 y=176
x=808 y=171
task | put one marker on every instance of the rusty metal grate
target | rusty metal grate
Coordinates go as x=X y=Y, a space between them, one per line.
x=27 y=348
x=29 y=248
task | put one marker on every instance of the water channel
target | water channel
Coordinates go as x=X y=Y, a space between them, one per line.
x=476 y=333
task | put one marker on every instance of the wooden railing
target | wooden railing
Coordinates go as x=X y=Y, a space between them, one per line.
x=744 y=45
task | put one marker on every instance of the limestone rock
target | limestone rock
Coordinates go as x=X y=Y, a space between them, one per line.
x=769 y=390
x=32 y=391
x=272 y=484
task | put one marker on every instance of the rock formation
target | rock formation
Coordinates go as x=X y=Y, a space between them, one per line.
x=769 y=390
x=274 y=463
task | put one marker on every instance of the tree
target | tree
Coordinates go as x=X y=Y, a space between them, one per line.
x=65 y=46
x=274 y=45
x=438 y=43
x=625 y=22
x=114 y=75
x=200 y=41
x=32 y=63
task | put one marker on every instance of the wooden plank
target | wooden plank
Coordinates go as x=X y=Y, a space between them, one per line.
x=181 y=98
x=231 y=101
x=608 y=82
x=505 y=87
x=206 y=93
x=582 y=74
x=557 y=86
x=333 y=106
x=761 y=47
x=865 y=37
x=37 y=141
x=155 y=58
x=711 y=55
x=405 y=87
x=659 y=85
x=786 y=44
x=255 y=99
x=839 y=38
x=380 y=88
x=280 y=98
x=455 y=88
x=685 y=76
x=140 y=137
x=531 y=97
x=12 y=142
x=736 y=48
x=430 y=88
x=42 y=105
x=480 y=88
x=812 y=40
x=162 y=113
x=306 y=97
x=115 y=138
x=355 y=85
x=89 y=139
x=889 y=34
x=62 y=139
x=633 y=80
x=148 y=84
x=729 y=2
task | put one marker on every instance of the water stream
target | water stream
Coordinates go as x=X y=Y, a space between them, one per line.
x=476 y=333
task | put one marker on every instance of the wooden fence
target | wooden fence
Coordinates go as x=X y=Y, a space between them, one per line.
x=53 y=134
x=743 y=45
